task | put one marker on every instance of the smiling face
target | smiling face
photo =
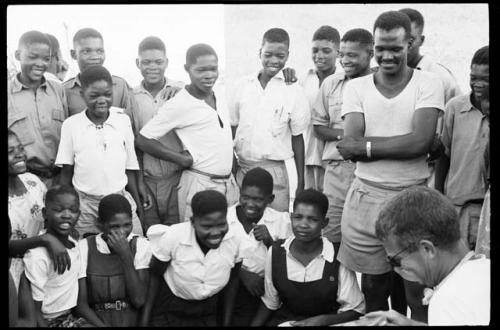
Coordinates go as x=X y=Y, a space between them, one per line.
x=34 y=60
x=98 y=97
x=354 y=58
x=324 y=54
x=17 y=156
x=418 y=40
x=88 y=52
x=273 y=56
x=391 y=49
x=119 y=223
x=480 y=80
x=253 y=202
x=204 y=73
x=152 y=63
x=307 y=222
x=210 y=229
x=61 y=214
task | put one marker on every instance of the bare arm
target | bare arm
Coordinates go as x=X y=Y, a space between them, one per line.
x=158 y=150
x=82 y=307
x=229 y=295
x=27 y=313
x=328 y=319
x=67 y=175
x=326 y=133
x=235 y=161
x=298 y=155
x=442 y=168
x=40 y=321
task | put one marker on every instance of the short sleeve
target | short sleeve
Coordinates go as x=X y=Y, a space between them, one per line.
x=65 y=151
x=301 y=115
x=351 y=100
x=166 y=119
x=270 y=298
x=131 y=163
x=142 y=254
x=447 y=132
x=285 y=226
x=64 y=101
x=37 y=269
x=161 y=242
x=349 y=295
x=319 y=111
x=233 y=105
x=431 y=92
x=83 y=246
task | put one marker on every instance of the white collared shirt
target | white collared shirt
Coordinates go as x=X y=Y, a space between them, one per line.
x=279 y=226
x=197 y=126
x=450 y=84
x=100 y=155
x=141 y=259
x=349 y=295
x=192 y=275
x=51 y=76
x=57 y=292
x=267 y=118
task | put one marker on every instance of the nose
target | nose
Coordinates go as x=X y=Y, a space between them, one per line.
x=386 y=55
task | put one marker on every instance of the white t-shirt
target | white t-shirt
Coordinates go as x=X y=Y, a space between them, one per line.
x=198 y=127
x=279 y=226
x=391 y=117
x=450 y=84
x=141 y=259
x=191 y=274
x=100 y=155
x=57 y=292
x=464 y=296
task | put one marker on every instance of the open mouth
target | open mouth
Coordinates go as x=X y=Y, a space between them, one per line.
x=214 y=240
x=65 y=226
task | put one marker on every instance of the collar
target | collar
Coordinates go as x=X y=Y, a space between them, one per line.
x=468 y=106
x=422 y=64
x=266 y=216
x=18 y=86
x=327 y=253
x=76 y=81
x=189 y=237
x=278 y=76
x=113 y=113
x=51 y=76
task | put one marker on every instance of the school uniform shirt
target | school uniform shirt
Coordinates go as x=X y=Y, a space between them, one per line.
x=267 y=118
x=349 y=295
x=464 y=296
x=192 y=275
x=204 y=131
x=279 y=226
x=450 y=84
x=122 y=95
x=57 y=292
x=100 y=155
x=52 y=77
x=36 y=117
x=146 y=107
x=391 y=117
x=465 y=136
x=141 y=259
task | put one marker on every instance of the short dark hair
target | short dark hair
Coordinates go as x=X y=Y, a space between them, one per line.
x=482 y=56
x=95 y=73
x=312 y=197
x=54 y=44
x=33 y=37
x=276 y=35
x=198 y=50
x=113 y=204
x=392 y=20
x=419 y=213
x=208 y=201
x=326 y=32
x=58 y=190
x=86 y=33
x=260 y=178
x=414 y=15
x=362 y=36
x=152 y=42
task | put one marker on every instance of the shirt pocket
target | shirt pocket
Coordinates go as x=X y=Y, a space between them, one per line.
x=19 y=123
x=280 y=120
x=334 y=110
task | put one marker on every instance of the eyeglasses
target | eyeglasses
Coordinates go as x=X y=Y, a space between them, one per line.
x=396 y=262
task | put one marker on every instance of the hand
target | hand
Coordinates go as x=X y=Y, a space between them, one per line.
x=117 y=242
x=315 y=321
x=144 y=196
x=253 y=282
x=350 y=148
x=436 y=150
x=170 y=92
x=186 y=153
x=383 y=318
x=289 y=75
x=261 y=233
x=58 y=253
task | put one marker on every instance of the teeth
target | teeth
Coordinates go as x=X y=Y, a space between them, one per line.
x=65 y=226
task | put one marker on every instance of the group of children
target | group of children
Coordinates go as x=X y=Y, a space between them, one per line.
x=166 y=205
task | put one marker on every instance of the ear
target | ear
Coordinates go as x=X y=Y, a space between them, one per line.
x=324 y=222
x=99 y=224
x=370 y=52
x=260 y=52
x=270 y=199
x=17 y=55
x=44 y=212
x=73 y=54
x=186 y=67
x=427 y=248
x=137 y=63
x=81 y=92
x=422 y=39
x=410 y=43
x=166 y=62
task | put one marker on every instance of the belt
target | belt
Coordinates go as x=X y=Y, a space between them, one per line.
x=45 y=173
x=117 y=305
x=211 y=176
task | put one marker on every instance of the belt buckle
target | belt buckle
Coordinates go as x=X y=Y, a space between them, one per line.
x=118 y=304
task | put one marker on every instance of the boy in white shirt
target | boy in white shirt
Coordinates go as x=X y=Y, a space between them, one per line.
x=268 y=118
x=56 y=294
x=253 y=219
x=97 y=153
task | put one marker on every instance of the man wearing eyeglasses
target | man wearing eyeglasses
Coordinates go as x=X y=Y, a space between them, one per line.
x=420 y=232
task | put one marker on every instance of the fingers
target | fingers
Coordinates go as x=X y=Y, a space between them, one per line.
x=148 y=203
